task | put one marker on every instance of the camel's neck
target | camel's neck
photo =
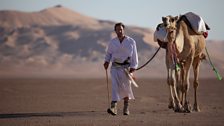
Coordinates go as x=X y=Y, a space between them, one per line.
x=179 y=40
x=183 y=32
x=171 y=47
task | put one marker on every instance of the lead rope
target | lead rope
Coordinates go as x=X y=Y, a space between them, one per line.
x=219 y=77
x=152 y=56
x=149 y=59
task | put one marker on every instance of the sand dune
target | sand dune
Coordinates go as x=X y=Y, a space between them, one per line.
x=57 y=15
x=58 y=42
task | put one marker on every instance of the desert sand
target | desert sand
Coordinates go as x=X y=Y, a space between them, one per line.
x=83 y=102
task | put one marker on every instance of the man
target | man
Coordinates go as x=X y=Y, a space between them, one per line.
x=122 y=52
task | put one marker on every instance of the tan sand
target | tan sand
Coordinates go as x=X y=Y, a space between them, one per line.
x=76 y=102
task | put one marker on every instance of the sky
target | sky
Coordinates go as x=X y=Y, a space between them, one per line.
x=143 y=13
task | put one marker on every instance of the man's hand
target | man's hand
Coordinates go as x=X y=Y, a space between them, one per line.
x=106 y=64
x=132 y=70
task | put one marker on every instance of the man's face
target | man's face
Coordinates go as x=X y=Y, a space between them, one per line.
x=119 y=31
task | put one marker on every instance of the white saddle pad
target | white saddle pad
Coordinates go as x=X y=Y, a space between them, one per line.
x=160 y=34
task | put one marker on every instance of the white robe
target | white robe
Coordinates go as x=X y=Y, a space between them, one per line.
x=119 y=52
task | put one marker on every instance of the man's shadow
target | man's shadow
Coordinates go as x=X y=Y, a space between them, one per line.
x=50 y=114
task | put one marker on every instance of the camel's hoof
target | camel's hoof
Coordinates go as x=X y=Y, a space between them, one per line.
x=179 y=109
x=170 y=106
x=187 y=107
x=196 y=108
x=187 y=111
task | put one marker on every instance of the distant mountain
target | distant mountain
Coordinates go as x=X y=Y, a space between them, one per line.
x=58 y=42
x=57 y=15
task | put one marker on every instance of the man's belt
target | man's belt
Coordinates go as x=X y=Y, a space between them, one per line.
x=122 y=64
x=125 y=63
x=116 y=64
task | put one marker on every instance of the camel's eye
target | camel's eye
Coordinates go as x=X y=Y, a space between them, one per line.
x=172 y=20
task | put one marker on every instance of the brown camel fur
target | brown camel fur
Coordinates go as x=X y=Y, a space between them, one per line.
x=188 y=52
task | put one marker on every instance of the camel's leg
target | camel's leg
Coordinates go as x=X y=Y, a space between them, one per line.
x=196 y=64
x=174 y=99
x=182 y=76
x=179 y=85
x=178 y=106
x=169 y=82
x=171 y=99
x=186 y=83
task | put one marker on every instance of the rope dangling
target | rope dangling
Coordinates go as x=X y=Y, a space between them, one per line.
x=219 y=77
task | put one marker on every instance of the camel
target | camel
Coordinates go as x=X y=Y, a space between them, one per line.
x=184 y=46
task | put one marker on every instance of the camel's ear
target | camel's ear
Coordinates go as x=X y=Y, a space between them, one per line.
x=163 y=18
x=176 y=18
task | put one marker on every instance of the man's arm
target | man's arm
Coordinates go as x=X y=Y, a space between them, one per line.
x=134 y=59
x=108 y=56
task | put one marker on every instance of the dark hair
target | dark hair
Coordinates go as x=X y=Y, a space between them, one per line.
x=118 y=24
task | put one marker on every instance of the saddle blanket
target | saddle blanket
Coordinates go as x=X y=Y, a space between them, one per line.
x=196 y=22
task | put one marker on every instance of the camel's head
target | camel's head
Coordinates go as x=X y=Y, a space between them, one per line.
x=170 y=24
x=170 y=21
x=171 y=34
